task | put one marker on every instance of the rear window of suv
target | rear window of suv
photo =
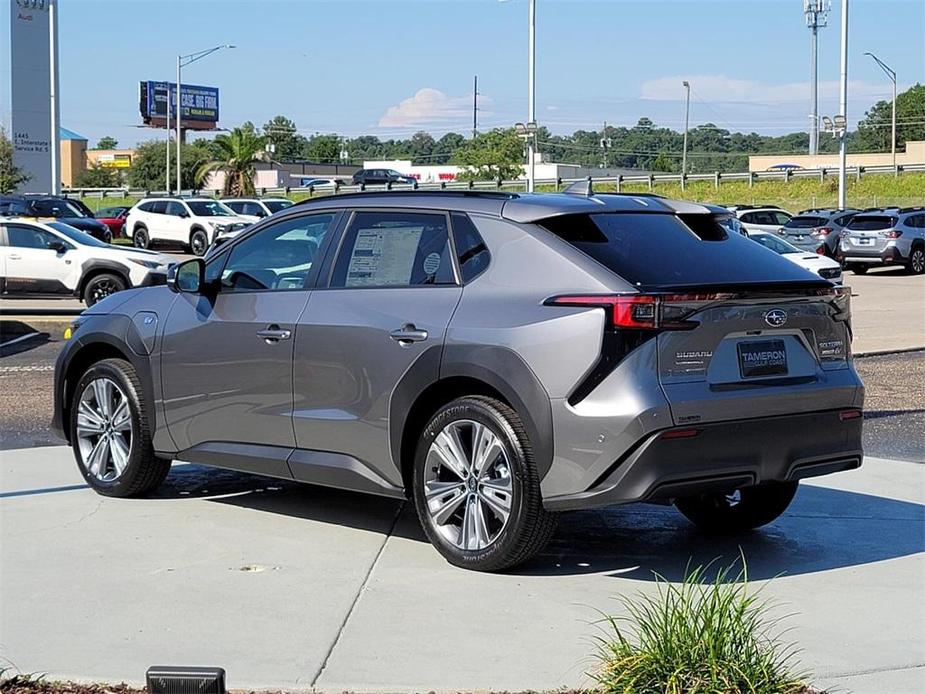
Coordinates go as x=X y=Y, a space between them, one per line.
x=805 y=222
x=660 y=251
x=871 y=222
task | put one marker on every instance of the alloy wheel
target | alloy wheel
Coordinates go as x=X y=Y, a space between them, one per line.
x=468 y=485
x=917 y=261
x=104 y=429
x=103 y=288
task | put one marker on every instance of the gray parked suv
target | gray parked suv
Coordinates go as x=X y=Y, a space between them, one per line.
x=817 y=230
x=496 y=358
x=886 y=236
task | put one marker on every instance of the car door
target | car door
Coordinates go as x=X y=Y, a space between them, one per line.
x=32 y=268
x=176 y=222
x=391 y=292
x=227 y=354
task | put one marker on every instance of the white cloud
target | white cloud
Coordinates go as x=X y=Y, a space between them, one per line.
x=431 y=106
x=723 y=89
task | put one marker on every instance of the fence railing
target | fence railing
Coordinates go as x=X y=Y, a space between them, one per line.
x=649 y=180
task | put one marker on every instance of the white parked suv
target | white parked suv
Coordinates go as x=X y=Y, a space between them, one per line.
x=768 y=218
x=189 y=222
x=54 y=260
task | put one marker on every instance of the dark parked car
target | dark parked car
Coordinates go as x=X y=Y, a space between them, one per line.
x=55 y=208
x=817 y=229
x=380 y=177
x=495 y=358
x=114 y=218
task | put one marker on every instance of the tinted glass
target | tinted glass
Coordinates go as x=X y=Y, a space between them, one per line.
x=871 y=222
x=805 y=222
x=254 y=209
x=916 y=221
x=774 y=244
x=277 y=205
x=14 y=207
x=158 y=206
x=655 y=251
x=279 y=257
x=29 y=237
x=209 y=208
x=174 y=209
x=394 y=249
x=780 y=217
x=77 y=235
x=470 y=248
x=235 y=205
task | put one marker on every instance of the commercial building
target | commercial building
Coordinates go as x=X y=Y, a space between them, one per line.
x=76 y=157
x=914 y=154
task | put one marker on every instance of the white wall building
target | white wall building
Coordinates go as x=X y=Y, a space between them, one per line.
x=449 y=172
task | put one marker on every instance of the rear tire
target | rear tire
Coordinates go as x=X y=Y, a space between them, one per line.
x=140 y=238
x=746 y=509
x=100 y=286
x=110 y=432
x=858 y=268
x=916 y=264
x=481 y=512
x=198 y=242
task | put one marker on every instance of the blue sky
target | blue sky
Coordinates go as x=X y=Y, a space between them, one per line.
x=391 y=67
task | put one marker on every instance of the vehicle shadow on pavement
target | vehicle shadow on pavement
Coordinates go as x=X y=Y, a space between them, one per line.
x=824 y=528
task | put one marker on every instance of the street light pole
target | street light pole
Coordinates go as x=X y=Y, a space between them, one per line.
x=531 y=88
x=843 y=110
x=182 y=61
x=891 y=73
x=167 y=177
x=687 y=116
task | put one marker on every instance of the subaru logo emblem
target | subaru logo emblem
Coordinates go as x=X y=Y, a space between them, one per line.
x=776 y=317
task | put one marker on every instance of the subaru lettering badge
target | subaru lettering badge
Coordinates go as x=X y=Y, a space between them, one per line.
x=776 y=317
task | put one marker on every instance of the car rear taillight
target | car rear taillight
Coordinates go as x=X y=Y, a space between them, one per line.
x=821 y=250
x=641 y=311
x=845 y=415
x=891 y=233
x=821 y=231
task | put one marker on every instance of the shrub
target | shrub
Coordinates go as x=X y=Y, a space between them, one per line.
x=697 y=637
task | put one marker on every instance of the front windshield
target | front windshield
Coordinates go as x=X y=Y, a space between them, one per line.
x=209 y=208
x=77 y=235
x=277 y=205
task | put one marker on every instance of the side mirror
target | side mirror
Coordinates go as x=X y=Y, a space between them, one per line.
x=57 y=246
x=183 y=214
x=187 y=277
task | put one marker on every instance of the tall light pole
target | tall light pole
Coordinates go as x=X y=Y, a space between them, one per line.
x=687 y=120
x=892 y=75
x=167 y=177
x=531 y=88
x=816 y=12
x=843 y=110
x=183 y=61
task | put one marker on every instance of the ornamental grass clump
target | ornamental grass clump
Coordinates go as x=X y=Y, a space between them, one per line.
x=697 y=637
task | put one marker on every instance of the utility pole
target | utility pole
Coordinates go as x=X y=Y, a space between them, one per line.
x=167 y=177
x=687 y=119
x=891 y=73
x=475 y=107
x=843 y=110
x=531 y=89
x=816 y=12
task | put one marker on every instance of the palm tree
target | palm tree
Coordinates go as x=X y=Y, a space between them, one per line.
x=238 y=152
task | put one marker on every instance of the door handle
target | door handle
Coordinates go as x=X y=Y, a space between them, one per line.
x=407 y=334
x=273 y=334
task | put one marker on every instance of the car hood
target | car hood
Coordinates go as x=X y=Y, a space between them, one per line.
x=139 y=253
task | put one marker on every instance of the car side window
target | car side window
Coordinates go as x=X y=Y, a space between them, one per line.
x=254 y=209
x=471 y=251
x=916 y=221
x=748 y=218
x=781 y=217
x=174 y=209
x=234 y=205
x=31 y=237
x=279 y=257
x=394 y=249
x=158 y=206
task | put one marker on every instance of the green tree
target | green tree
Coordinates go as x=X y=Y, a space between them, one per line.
x=240 y=150
x=97 y=177
x=875 y=129
x=421 y=147
x=495 y=154
x=282 y=134
x=446 y=147
x=322 y=149
x=663 y=163
x=11 y=176
x=107 y=142
x=148 y=169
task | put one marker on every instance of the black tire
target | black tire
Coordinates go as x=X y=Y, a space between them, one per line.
x=100 y=286
x=107 y=237
x=529 y=526
x=144 y=472
x=755 y=506
x=140 y=238
x=198 y=242
x=916 y=264
x=858 y=268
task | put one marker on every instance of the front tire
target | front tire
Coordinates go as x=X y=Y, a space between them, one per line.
x=110 y=432
x=476 y=488
x=199 y=242
x=140 y=238
x=916 y=264
x=744 y=509
x=101 y=286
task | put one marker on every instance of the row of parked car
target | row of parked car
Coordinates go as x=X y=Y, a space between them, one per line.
x=857 y=239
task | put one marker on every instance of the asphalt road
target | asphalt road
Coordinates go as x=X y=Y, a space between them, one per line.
x=894 y=424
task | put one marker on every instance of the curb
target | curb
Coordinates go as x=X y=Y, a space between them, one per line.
x=886 y=352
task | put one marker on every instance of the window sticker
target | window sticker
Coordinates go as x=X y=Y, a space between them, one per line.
x=383 y=256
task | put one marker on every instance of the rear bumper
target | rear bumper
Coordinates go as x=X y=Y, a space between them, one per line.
x=724 y=456
x=886 y=256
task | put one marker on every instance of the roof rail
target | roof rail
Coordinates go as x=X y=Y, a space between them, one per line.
x=917 y=208
x=488 y=194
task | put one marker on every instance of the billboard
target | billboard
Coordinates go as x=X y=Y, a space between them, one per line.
x=114 y=161
x=199 y=107
x=34 y=113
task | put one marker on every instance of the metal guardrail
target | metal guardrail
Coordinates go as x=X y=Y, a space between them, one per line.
x=650 y=180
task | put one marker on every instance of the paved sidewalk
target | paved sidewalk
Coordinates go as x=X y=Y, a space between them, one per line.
x=299 y=587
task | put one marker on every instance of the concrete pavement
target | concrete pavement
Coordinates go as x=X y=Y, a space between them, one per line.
x=291 y=586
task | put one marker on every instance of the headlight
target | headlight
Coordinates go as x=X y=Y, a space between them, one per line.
x=218 y=227
x=150 y=264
